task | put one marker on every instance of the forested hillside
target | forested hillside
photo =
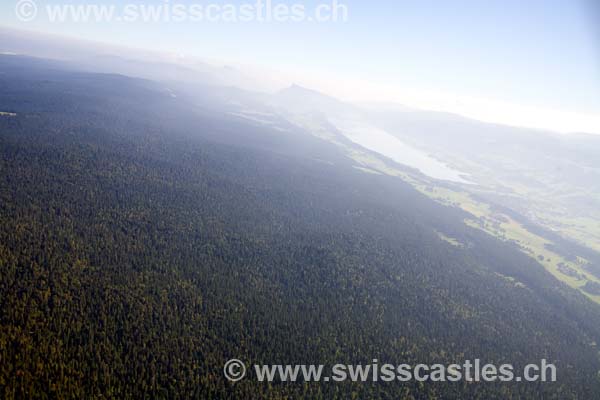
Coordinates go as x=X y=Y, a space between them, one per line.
x=145 y=240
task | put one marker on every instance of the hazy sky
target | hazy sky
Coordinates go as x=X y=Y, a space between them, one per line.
x=538 y=58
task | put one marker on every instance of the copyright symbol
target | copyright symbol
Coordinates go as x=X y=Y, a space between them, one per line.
x=26 y=10
x=234 y=370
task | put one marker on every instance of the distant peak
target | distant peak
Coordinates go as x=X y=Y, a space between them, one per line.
x=296 y=89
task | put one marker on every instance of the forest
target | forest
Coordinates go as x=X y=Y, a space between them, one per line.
x=145 y=240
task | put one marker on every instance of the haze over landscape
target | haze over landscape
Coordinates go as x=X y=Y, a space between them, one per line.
x=418 y=183
x=527 y=64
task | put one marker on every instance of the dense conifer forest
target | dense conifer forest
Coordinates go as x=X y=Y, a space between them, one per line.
x=146 y=239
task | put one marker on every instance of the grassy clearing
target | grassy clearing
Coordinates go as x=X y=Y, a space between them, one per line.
x=535 y=246
x=512 y=280
x=368 y=170
x=584 y=230
x=507 y=229
x=448 y=239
